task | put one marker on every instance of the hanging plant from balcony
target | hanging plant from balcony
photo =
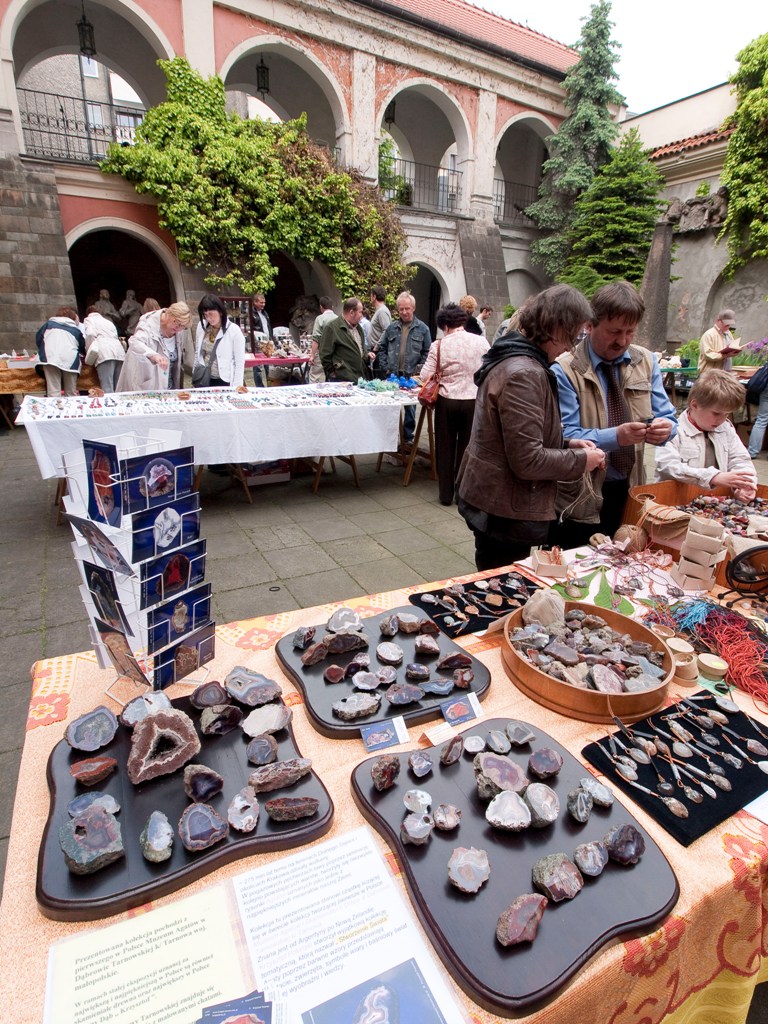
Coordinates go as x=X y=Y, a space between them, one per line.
x=233 y=191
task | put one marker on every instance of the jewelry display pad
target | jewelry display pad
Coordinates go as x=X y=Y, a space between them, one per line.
x=513 y=981
x=512 y=583
x=747 y=782
x=132 y=880
x=319 y=695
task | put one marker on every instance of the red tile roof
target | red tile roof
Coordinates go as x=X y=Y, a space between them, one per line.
x=693 y=142
x=489 y=29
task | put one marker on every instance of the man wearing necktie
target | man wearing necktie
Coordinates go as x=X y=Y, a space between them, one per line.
x=610 y=392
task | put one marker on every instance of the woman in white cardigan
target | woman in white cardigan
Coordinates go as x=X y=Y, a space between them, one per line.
x=227 y=362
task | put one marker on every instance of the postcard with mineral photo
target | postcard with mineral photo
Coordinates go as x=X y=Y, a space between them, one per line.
x=100 y=544
x=105 y=502
x=192 y=653
x=103 y=590
x=156 y=479
x=119 y=651
x=164 y=529
x=169 y=622
x=400 y=994
x=171 y=574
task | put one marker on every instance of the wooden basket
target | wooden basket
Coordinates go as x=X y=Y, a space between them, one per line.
x=587 y=705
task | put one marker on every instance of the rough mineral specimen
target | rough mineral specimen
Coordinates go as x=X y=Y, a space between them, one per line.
x=468 y=868
x=91 y=770
x=208 y=695
x=360 y=661
x=454 y=660
x=416 y=829
x=334 y=674
x=303 y=637
x=417 y=800
x=267 y=719
x=579 y=803
x=591 y=858
x=462 y=678
x=386 y=675
x=251 y=688
x=201 y=783
x=557 y=877
x=160 y=744
x=367 y=681
x=143 y=705
x=156 y=839
x=279 y=774
x=601 y=794
x=389 y=653
x=417 y=672
x=495 y=773
x=474 y=744
x=389 y=625
x=314 y=654
x=220 y=719
x=425 y=644
x=624 y=843
x=93 y=799
x=262 y=750
x=291 y=808
x=403 y=693
x=356 y=705
x=200 y=827
x=520 y=921
x=543 y=803
x=344 y=620
x=545 y=762
x=606 y=680
x=438 y=687
x=384 y=771
x=446 y=817
x=409 y=623
x=91 y=841
x=243 y=810
x=92 y=730
x=342 y=643
x=509 y=812
x=420 y=763
x=452 y=750
x=429 y=627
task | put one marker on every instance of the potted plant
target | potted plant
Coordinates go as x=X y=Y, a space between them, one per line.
x=689 y=353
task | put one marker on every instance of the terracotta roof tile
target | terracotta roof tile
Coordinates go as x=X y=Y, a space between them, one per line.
x=693 y=142
x=487 y=27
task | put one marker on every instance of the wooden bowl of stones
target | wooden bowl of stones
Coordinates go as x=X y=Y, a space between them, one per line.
x=593 y=665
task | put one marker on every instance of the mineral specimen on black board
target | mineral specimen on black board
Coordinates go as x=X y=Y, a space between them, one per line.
x=201 y=783
x=261 y=749
x=557 y=877
x=91 y=841
x=344 y=620
x=543 y=803
x=251 y=688
x=303 y=637
x=267 y=719
x=220 y=719
x=389 y=653
x=243 y=810
x=579 y=804
x=417 y=672
x=384 y=771
x=591 y=858
x=509 y=812
x=624 y=843
x=389 y=625
x=454 y=660
x=520 y=921
x=496 y=772
x=161 y=744
x=446 y=817
x=519 y=733
x=92 y=770
x=367 y=681
x=437 y=687
x=334 y=674
x=93 y=730
x=601 y=794
x=314 y=654
x=200 y=827
x=452 y=750
x=462 y=678
x=425 y=644
x=156 y=839
x=417 y=800
x=545 y=762
x=468 y=868
x=416 y=829
x=207 y=695
x=93 y=799
x=409 y=623
x=403 y=693
x=474 y=744
x=420 y=763
x=279 y=774
x=356 y=705
x=498 y=742
x=342 y=643
x=143 y=705
x=291 y=808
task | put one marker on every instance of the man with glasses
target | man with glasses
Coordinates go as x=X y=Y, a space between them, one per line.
x=342 y=344
x=718 y=344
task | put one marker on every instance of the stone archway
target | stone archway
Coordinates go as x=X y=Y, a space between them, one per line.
x=428 y=291
x=117 y=260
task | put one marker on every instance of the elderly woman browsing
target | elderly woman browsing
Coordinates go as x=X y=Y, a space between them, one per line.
x=153 y=362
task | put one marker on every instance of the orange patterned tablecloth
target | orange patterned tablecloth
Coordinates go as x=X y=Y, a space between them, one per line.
x=698 y=967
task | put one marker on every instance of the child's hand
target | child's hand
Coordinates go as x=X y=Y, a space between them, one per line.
x=744 y=494
x=739 y=479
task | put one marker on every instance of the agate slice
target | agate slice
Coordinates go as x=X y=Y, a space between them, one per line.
x=454 y=660
x=156 y=839
x=498 y=742
x=201 y=827
x=389 y=653
x=386 y=675
x=384 y=771
x=335 y=674
x=579 y=803
x=409 y=623
x=591 y=858
x=389 y=625
x=403 y=693
x=251 y=688
x=262 y=750
x=220 y=719
x=291 y=808
x=366 y=681
x=207 y=695
x=452 y=750
x=416 y=829
x=344 y=620
x=520 y=921
x=161 y=744
x=91 y=841
x=140 y=707
x=279 y=774
x=474 y=744
x=104 y=801
x=356 y=705
x=202 y=783
x=545 y=762
x=420 y=763
x=543 y=803
x=267 y=719
x=601 y=795
x=92 y=730
x=446 y=817
x=509 y=812
x=625 y=845
x=303 y=637
x=519 y=733
x=92 y=770
x=557 y=877
x=438 y=687
x=417 y=800
x=314 y=654
x=468 y=869
x=495 y=772
x=243 y=810
x=417 y=672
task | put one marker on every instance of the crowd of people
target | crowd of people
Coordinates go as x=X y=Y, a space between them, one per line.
x=539 y=434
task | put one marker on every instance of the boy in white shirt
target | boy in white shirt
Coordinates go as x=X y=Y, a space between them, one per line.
x=706 y=450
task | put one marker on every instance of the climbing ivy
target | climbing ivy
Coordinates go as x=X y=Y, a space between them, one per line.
x=234 y=191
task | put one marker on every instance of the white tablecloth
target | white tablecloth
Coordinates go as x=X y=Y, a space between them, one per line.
x=351 y=423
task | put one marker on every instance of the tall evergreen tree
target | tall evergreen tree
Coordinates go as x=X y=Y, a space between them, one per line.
x=614 y=219
x=745 y=170
x=582 y=144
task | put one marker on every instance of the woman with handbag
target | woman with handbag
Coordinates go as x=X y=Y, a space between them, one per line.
x=219 y=347
x=452 y=362
x=153 y=360
x=103 y=349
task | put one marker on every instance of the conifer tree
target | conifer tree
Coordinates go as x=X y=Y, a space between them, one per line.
x=583 y=141
x=614 y=219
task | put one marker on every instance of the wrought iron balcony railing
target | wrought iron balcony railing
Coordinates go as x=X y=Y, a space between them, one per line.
x=72 y=128
x=510 y=201
x=422 y=186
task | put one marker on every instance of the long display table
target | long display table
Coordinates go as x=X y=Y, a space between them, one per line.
x=700 y=964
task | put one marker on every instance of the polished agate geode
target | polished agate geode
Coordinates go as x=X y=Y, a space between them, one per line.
x=520 y=921
x=200 y=827
x=201 y=783
x=92 y=730
x=160 y=744
x=156 y=839
x=143 y=705
x=251 y=688
x=90 y=841
x=468 y=869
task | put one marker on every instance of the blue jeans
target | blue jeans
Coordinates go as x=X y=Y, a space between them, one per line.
x=409 y=422
x=754 y=447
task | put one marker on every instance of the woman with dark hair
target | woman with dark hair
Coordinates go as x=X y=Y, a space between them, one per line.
x=460 y=355
x=507 y=481
x=219 y=345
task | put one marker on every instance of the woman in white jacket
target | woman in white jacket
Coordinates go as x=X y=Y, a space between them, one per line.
x=103 y=349
x=216 y=330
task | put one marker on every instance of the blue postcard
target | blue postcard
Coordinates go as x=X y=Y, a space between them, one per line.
x=170 y=574
x=170 y=622
x=105 y=499
x=150 y=480
x=100 y=544
x=165 y=529
x=179 y=661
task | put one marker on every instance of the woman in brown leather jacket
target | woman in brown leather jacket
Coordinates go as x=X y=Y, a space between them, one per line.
x=516 y=454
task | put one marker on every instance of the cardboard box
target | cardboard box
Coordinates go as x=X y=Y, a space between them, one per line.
x=257 y=473
x=693 y=552
x=699 y=572
x=704 y=542
x=707 y=527
x=543 y=565
x=690 y=582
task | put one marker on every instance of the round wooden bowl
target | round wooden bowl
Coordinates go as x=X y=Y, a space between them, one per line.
x=587 y=705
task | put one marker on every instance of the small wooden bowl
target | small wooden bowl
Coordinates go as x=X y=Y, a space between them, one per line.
x=680 y=647
x=712 y=667
x=687 y=667
x=587 y=705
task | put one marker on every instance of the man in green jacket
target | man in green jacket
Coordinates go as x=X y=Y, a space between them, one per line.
x=342 y=344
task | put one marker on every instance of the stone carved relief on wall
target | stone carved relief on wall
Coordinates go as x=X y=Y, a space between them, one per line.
x=697 y=213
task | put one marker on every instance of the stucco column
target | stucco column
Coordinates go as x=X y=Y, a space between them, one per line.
x=197 y=23
x=362 y=151
x=481 y=188
x=10 y=122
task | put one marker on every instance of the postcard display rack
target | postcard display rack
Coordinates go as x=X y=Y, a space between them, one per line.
x=136 y=520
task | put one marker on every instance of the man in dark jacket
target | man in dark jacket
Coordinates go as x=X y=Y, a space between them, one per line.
x=342 y=344
x=403 y=350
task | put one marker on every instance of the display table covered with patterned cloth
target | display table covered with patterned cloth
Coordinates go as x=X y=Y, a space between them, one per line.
x=700 y=964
